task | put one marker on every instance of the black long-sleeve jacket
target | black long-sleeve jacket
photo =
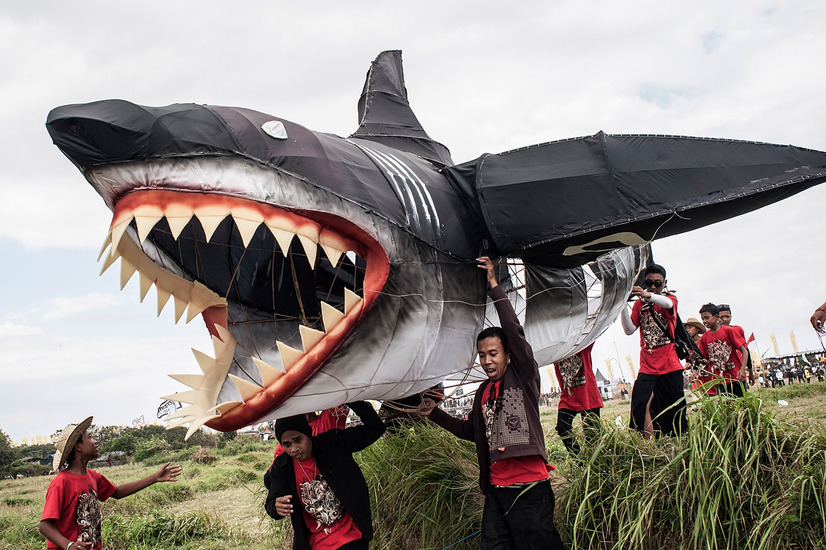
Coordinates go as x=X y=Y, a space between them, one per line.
x=517 y=430
x=333 y=451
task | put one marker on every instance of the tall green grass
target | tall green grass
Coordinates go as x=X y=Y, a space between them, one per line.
x=425 y=482
x=741 y=478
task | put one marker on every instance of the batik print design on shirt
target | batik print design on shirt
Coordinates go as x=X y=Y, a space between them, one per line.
x=652 y=335
x=719 y=353
x=88 y=517
x=509 y=423
x=321 y=502
x=571 y=371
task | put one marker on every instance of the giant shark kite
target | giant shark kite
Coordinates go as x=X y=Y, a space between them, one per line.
x=330 y=269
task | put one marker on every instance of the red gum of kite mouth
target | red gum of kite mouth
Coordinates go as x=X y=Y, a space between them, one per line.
x=330 y=231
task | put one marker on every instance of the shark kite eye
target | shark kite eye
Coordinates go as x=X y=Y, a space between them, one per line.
x=275 y=128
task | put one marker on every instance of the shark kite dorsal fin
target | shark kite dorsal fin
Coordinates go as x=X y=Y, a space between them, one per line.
x=385 y=115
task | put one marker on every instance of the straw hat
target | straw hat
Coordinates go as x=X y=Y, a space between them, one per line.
x=66 y=441
x=693 y=322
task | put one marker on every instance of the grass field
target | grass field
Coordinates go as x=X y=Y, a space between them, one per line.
x=425 y=486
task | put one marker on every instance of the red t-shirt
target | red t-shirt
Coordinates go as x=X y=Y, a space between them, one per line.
x=322 y=500
x=72 y=500
x=520 y=469
x=721 y=349
x=657 y=355
x=575 y=375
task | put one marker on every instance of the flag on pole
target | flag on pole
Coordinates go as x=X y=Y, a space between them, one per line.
x=794 y=342
x=774 y=344
x=751 y=339
x=610 y=369
x=631 y=366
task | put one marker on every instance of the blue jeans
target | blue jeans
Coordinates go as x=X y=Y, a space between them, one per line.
x=517 y=520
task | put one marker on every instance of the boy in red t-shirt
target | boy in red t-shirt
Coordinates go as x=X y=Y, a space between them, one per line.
x=721 y=344
x=736 y=386
x=579 y=395
x=71 y=515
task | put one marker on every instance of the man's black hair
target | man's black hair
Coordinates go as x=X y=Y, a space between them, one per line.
x=710 y=308
x=494 y=331
x=656 y=269
x=724 y=307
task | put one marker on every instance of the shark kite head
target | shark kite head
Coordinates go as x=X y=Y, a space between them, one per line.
x=331 y=269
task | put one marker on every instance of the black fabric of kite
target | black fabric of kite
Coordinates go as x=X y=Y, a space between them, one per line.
x=549 y=203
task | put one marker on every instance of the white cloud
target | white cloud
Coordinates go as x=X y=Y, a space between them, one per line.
x=61 y=308
x=13 y=329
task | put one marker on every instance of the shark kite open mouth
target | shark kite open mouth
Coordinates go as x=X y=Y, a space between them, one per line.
x=332 y=269
x=270 y=254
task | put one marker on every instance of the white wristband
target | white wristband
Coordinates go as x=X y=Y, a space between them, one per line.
x=69 y=545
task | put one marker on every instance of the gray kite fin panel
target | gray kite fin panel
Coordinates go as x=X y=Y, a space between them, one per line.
x=385 y=115
x=564 y=203
x=568 y=309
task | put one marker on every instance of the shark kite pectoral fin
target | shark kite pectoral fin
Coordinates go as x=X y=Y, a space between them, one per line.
x=625 y=238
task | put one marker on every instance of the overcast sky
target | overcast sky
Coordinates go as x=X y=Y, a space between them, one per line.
x=481 y=76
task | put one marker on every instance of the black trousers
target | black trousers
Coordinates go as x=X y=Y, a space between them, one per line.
x=737 y=389
x=519 y=519
x=668 y=406
x=359 y=544
x=564 y=426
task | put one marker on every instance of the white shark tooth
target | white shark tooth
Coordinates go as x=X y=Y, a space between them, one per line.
x=352 y=256
x=269 y=374
x=200 y=299
x=283 y=238
x=177 y=216
x=289 y=356
x=178 y=422
x=106 y=242
x=351 y=299
x=186 y=412
x=108 y=261
x=310 y=249
x=197 y=423
x=209 y=224
x=207 y=364
x=126 y=271
x=194 y=381
x=145 y=219
x=163 y=298
x=226 y=405
x=247 y=230
x=309 y=337
x=330 y=316
x=210 y=218
x=247 y=222
x=146 y=284
x=224 y=345
x=333 y=254
x=180 y=307
x=189 y=396
x=118 y=232
x=247 y=389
